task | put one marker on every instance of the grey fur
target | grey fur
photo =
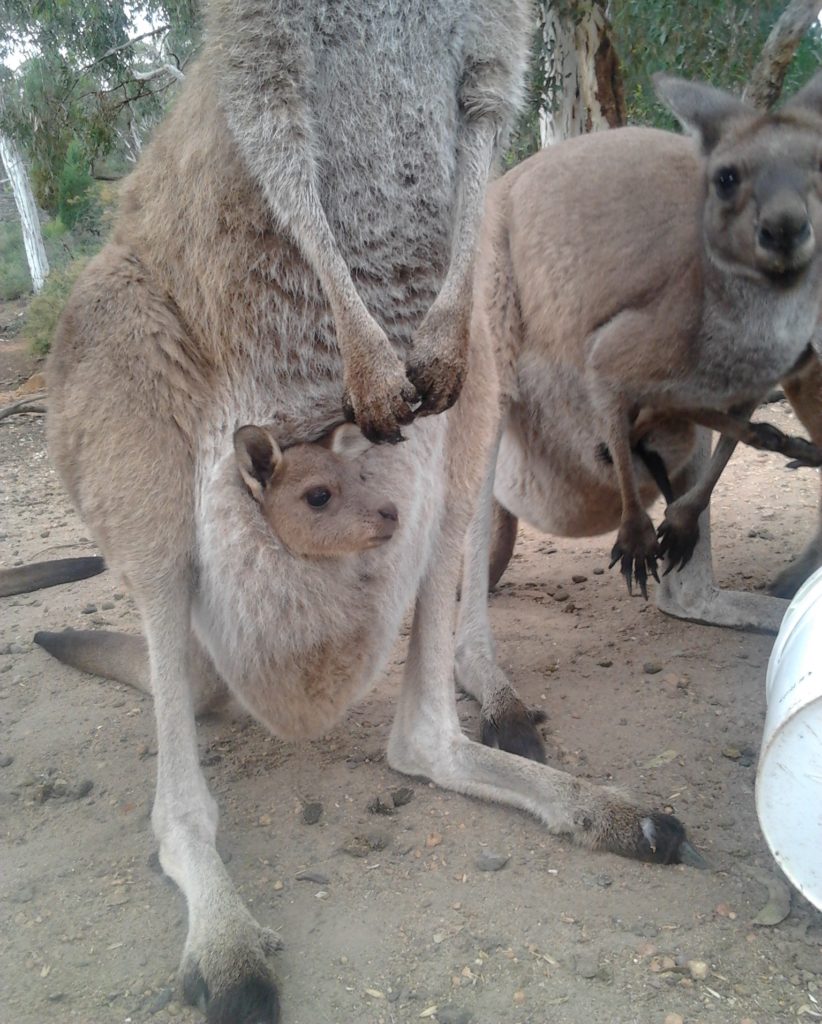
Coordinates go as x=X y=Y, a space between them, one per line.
x=302 y=225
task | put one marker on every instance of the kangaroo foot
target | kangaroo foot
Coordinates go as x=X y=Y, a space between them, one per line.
x=769 y=438
x=513 y=727
x=233 y=985
x=637 y=552
x=652 y=836
x=793 y=576
x=700 y=600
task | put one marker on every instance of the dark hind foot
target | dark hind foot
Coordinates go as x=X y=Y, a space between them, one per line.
x=768 y=438
x=513 y=728
x=653 y=836
x=234 y=986
x=253 y=1001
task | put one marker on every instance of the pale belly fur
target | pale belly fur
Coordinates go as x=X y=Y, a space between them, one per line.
x=550 y=470
x=299 y=639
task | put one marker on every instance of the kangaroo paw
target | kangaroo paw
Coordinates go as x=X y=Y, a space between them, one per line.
x=438 y=382
x=677 y=545
x=381 y=407
x=437 y=363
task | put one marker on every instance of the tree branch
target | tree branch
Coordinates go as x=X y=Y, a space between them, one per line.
x=125 y=45
x=164 y=69
x=31 y=403
x=765 y=83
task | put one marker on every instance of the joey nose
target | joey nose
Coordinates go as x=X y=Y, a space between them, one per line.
x=389 y=511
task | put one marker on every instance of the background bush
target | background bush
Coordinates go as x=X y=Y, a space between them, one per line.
x=45 y=308
x=14 y=272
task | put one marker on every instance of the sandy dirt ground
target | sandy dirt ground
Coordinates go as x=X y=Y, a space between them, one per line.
x=392 y=920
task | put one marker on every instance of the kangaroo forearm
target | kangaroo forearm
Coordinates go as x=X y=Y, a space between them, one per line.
x=476 y=154
x=275 y=133
x=699 y=496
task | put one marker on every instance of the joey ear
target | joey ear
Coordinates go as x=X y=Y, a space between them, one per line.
x=809 y=96
x=348 y=440
x=701 y=109
x=258 y=456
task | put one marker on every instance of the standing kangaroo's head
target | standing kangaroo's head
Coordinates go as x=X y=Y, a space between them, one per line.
x=315 y=496
x=763 y=177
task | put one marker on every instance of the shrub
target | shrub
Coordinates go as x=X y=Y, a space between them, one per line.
x=45 y=308
x=14 y=271
x=74 y=190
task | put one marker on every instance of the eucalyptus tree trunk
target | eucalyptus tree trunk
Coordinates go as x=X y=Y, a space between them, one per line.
x=29 y=220
x=765 y=83
x=582 y=75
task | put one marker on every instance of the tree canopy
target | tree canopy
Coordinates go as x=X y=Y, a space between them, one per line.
x=718 y=41
x=85 y=80
x=71 y=85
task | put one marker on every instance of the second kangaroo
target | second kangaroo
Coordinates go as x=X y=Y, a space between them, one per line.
x=635 y=283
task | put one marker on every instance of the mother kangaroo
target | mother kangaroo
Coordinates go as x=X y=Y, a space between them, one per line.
x=297 y=240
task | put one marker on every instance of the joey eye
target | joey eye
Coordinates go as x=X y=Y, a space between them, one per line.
x=318 y=497
x=726 y=182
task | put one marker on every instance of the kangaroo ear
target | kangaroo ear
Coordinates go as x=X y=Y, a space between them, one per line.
x=809 y=96
x=701 y=109
x=258 y=456
x=348 y=440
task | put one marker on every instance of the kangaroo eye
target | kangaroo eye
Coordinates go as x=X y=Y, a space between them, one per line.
x=726 y=182
x=318 y=497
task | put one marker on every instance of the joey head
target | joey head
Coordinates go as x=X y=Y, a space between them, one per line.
x=316 y=497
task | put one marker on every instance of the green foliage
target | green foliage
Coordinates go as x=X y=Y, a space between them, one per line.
x=525 y=136
x=14 y=272
x=77 y=84
x=65 y=248
x=74 y=189
x=45 y=308
x=718 y=41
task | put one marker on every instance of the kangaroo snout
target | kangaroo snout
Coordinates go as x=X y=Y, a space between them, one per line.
x=785 y=239
x=386 y=522
x=389 y=511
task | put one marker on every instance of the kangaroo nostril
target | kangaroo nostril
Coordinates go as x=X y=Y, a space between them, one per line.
x=389 y=511
x=784 y=235
x=766 y=238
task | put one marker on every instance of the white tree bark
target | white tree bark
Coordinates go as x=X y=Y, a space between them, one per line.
x=583 y=91
x=29 y=220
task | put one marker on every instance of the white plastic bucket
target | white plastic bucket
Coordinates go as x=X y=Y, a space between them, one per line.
x=789 y=776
